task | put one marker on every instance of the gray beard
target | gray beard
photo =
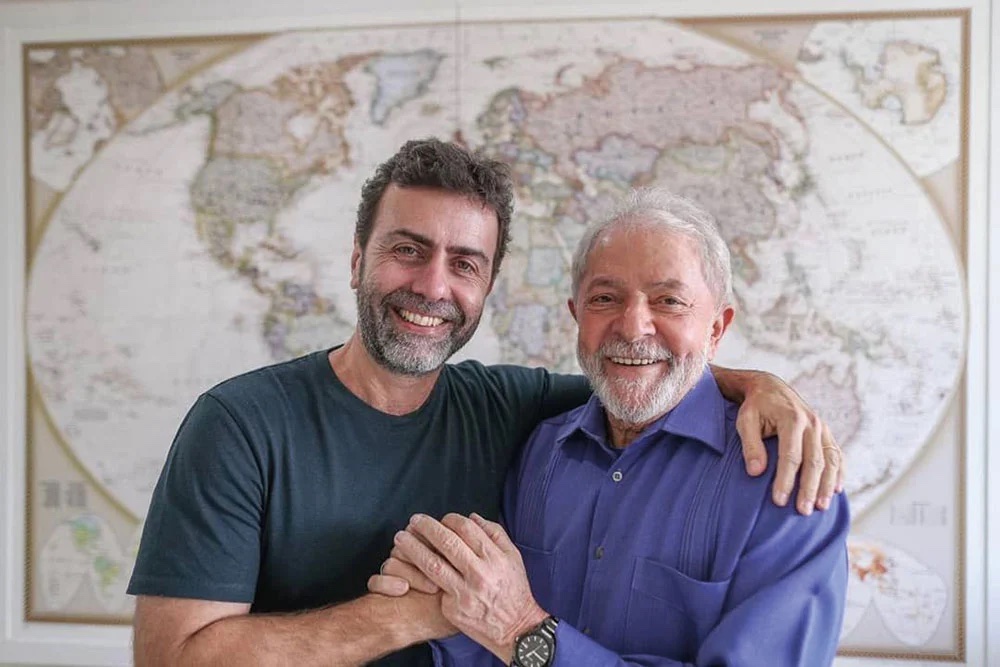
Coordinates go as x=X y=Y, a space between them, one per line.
x=400 y=352
x=637 y=402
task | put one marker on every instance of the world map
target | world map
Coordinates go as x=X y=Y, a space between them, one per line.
x=212 y=233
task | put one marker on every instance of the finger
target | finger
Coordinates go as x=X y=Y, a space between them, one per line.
x=749 y=428
x=840 y=475
x=398 y=554
x=443 y=540
x=392 y=586
x=790 y=436
x=831 y=472
x=470 y=532
x=496 y=533
x=813 y=464
x=431 y=564
x=415 y=579
x=841 y=469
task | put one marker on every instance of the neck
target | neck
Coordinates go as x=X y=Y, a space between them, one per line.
x=380 y=388
x=623 y=433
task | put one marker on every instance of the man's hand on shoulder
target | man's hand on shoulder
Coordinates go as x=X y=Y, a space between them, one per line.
x=768 y=407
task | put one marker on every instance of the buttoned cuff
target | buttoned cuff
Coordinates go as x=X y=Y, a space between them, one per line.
x=575 y=649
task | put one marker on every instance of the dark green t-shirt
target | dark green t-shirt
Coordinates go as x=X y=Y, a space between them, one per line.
x=284 y=489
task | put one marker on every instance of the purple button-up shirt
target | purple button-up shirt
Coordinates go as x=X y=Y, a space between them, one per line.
x=666 y=552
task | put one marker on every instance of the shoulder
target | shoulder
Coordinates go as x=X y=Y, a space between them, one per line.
x=541 y=443
x=543 y=392
x=557 y=424
x=501 y=384
x=748 y=500
x=262 y=387
x=497 y=375
x=738 y=480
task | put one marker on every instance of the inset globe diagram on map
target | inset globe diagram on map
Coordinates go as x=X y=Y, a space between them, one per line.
x=212 y=234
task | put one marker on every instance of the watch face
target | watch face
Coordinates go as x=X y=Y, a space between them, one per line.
x=533 y=651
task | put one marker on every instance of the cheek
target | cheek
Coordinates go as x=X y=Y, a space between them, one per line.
x=471 y=300
x=592 y=333
x=684 y=340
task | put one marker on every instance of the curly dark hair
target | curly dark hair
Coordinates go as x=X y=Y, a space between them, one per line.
x=434 y=163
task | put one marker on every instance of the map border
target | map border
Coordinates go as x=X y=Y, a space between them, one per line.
x=691 y=23
x=976 y=274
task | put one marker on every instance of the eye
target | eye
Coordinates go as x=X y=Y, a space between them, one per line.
x=465 y=266
x=406 y=251
x=670 y=301
x=601 y=299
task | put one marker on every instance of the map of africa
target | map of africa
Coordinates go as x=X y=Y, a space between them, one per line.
x=212 y=233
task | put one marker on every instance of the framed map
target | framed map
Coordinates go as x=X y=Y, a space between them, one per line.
x=190 y=216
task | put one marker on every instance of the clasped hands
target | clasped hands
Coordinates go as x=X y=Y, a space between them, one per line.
x=474 y=567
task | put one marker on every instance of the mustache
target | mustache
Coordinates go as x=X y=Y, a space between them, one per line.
x=413 y=302
x=637 y=350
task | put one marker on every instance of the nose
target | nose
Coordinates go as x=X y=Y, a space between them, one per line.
x=635 y=321
x=431 y=280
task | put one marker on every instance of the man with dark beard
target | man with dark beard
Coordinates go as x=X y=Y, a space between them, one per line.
x=284 y=486
x=634 y=537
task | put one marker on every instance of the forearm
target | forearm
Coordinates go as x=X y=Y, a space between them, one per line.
x=734 y=383
x=353 y=633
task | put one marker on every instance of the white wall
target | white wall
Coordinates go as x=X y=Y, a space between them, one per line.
x=27 y=20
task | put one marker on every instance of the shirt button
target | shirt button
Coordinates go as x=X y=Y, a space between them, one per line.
x=599 y=553
x=617 y=475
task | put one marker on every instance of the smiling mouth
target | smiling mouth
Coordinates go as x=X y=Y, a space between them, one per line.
x=628 y=361
x=418 y=319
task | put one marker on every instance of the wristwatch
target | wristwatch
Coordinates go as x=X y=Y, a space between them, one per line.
x=537 y=648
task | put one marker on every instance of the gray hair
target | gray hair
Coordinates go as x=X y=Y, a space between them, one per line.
x=659 y=207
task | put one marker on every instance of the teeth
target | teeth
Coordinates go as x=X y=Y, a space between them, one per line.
x=633 y=362
x=420 y=320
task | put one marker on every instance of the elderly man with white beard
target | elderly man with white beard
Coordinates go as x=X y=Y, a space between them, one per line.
x=633 y=537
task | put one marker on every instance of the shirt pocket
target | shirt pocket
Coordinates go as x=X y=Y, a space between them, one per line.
x=538 y=563
x=669 y=614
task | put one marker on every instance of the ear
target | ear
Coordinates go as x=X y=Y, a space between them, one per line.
x=572 y=309
x=719 y=326
x=356 y=265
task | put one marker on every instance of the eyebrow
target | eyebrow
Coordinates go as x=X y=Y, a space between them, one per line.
x=608 y=281
x=464 y=251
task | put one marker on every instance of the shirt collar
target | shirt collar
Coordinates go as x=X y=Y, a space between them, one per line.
x=700 y=416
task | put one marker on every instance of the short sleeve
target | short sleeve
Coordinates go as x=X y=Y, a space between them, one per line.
x=529 y=396
x=562 y=394
x=202 y=534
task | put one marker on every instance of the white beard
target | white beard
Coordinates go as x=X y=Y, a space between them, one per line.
x=636 y=402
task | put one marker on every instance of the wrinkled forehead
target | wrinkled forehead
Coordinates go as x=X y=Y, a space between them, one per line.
x=644 y=256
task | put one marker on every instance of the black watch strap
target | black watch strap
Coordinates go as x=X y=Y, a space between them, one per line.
x=548 y=628
x=546 y=632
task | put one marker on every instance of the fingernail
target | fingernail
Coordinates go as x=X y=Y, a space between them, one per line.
x=416 y=518
x=398 y=536
x=756 y=466
x=781 y=498
x=806 y=507
x=823 y=503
